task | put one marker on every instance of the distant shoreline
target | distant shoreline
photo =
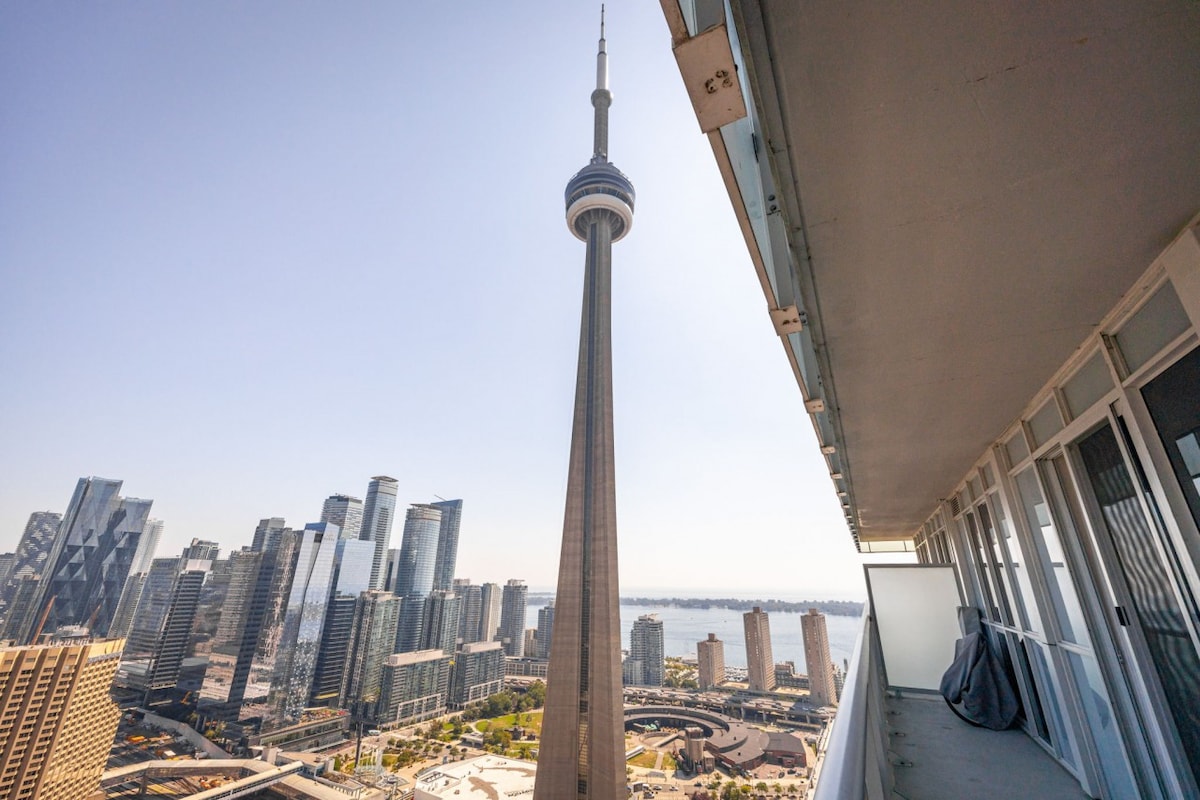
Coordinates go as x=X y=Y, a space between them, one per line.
x=841 y=608
x=844 y=608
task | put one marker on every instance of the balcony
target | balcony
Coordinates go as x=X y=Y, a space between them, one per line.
x=904 y=742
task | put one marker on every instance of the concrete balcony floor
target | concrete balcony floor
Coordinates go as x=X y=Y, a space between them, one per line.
x=950 y=760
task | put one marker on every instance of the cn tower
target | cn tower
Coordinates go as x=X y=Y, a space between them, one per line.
x=582 y=752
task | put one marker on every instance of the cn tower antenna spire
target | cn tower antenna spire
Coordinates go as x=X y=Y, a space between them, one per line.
x=601 y=99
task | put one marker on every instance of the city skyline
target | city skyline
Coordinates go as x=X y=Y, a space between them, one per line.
x=321 y=159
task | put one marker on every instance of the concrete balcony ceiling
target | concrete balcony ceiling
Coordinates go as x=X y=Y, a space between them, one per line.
x=976 y=186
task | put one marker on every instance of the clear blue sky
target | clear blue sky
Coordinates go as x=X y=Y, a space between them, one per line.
x=252 y=254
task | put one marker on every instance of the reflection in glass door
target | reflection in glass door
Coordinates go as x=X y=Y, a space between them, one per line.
x=1155 y=605
x=1076 y=659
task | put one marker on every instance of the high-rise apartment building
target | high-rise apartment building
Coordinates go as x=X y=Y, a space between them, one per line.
x=646 y=648
x=351 y=577
x=202 y=550
x=418 y=551
x=413 y=687
x=131 y=595
x=583 y=745
x=19 y=617
x=469 y=609
x=303 y=621
x=490 y=598
x=512 y=618
x=544 y=630
x=414 y=574
x=447 y=546
x=821 y=688
x=710 y=655
x=379 y=511
x=271 y=598
x=91 y=558
x=478 y=673
x=760 y=665
x=33 y=550
x=208 y=610
x=346 y=512
x=439 y=629
x=162 y=624
x=373 y=640
x=148 y=546
x=57 y=721
x=268 y=534
x=233 y=645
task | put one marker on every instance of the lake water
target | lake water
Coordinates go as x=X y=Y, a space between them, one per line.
x=684 y=627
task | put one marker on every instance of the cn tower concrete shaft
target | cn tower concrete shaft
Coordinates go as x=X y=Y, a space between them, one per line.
x=582 y=750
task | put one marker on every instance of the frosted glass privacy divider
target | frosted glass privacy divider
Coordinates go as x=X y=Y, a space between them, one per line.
x=916 y=613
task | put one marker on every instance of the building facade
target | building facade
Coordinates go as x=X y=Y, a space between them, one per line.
x=414 y=687
x=512 y=618
x=347 y=513
x=710 y=657
x=351 y=577
x=760 y=666
x=373 y=639
x=478 y=673
x=91 y=558
x=57 y=721
x=490 y=598
x=295 y=664
x=439 y=628
x=821 y=688
x=379 y=511
x=447 y=546
x=470 y=609
x=646 y=650
x=545 y=629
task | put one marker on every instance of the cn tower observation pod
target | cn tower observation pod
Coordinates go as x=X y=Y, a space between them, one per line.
x=599 y=187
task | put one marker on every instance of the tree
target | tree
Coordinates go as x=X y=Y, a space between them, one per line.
x=761 y=787
x=537 y=691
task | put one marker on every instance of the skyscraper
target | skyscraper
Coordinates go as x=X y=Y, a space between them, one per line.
x=710 y=654
x=469 y=610
x=439 y=629
x=373 y=639
x=344 y=511
x=760 y=666
x=268 y=533
x=148 y=546
x=583 y=747
x=646 y=647
x=57 y=721
x=378 y=513
x=303 y=621
x=822 y=690
x=512 y=618
x=33 y=550
x=418 y=551
x=162 y=623
x=414 y=574
x=351 y=577
x=233 y=646
x=92 y=554
x=447 y=546
x=545 y=629
x=490 y=596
